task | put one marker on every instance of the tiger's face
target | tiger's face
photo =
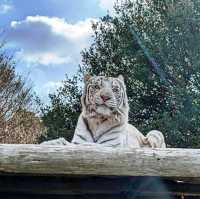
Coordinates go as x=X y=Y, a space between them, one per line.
x=104 y=96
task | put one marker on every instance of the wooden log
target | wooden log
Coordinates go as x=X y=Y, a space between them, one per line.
x=101 y=161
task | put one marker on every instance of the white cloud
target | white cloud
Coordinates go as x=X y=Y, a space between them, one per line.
x=46 y=40
x=5 y=7
x=107 y=5
x=43 y=58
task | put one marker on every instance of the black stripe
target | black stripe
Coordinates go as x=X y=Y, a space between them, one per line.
x=108 y=131
x=87 y=93
x=107 y=140
x=76 y=143
x=116 y=145
x=122 y=93
x=80 y=136
x=87 y=126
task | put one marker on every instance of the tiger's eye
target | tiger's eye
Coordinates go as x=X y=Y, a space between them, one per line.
x=96 y=87
x=115 y=89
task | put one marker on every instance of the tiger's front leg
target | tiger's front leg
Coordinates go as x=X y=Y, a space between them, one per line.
x=59 y=141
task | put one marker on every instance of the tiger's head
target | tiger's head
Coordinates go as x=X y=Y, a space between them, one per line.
x=104 y=97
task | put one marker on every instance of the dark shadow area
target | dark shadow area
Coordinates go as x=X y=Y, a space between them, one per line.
x=92 y=187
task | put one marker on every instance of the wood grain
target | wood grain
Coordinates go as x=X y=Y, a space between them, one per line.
x=101 y=161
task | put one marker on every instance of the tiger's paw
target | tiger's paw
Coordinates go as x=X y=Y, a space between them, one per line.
x=156 y=139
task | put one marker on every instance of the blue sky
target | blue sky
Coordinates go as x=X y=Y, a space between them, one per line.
x=46 y=37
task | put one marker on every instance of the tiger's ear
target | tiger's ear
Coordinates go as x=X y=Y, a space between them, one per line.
x=87 y=77
x=120 y=77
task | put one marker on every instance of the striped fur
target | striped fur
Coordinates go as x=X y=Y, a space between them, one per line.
x=104 y=117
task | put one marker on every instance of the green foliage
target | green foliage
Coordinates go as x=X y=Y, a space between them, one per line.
x=155 y=46
x=60 y=117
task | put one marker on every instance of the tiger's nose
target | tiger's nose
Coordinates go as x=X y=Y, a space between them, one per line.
x=105 y=97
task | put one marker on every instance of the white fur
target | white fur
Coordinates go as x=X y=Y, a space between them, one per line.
x=106 y=122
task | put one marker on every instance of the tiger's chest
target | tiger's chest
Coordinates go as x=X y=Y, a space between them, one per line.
x=106 y=132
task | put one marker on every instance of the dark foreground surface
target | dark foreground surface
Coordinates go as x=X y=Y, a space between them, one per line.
x=87 y=187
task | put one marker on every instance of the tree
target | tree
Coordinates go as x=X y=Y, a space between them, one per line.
x=153 y=44
x=17 y=123
x=61 y=115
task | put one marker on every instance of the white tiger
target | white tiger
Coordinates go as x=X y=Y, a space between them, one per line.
x=104 y=117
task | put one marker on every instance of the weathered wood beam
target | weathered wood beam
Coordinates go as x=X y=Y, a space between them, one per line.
x=85 y=160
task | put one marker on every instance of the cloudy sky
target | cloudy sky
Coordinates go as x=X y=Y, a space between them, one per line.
x=46 y=36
